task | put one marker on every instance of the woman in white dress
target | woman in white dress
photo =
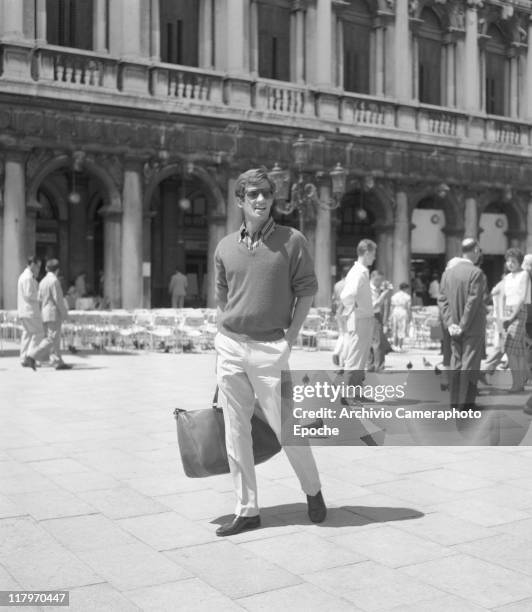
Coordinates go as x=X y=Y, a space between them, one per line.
x=401 y=314
x=516 y=297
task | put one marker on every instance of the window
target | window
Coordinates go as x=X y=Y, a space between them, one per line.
x=179 y=31
x=69 y=23
x=495 y=72
x=274 y=42
x=196 y=215
x=429 y=59
x=357 y=34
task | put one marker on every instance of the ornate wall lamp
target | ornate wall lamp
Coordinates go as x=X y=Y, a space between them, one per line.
x=302 y=195
x=74 y=196
x=187 y=169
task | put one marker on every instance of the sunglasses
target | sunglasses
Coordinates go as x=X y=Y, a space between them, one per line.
x=253 y=194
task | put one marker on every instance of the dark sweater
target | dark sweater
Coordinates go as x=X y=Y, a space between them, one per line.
x=256 y=288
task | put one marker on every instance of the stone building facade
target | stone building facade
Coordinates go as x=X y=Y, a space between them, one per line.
x=124 y=124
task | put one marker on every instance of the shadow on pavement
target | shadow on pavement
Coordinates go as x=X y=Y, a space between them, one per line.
x=341 y=516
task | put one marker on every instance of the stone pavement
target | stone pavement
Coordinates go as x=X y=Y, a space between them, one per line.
x=93 y=499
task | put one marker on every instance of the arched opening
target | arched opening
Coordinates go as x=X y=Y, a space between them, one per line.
x=179 y=21
x=427 y=248
x=69 y=228
x=46 y=229
x=430 y=58
x=493 y=227
x=356 y=221
x=274 y=40
x=496 y=61
x=69 y=23
x=179 y=239
x=357 y=26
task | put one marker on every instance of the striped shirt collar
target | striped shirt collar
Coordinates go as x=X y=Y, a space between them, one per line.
x=252 y=242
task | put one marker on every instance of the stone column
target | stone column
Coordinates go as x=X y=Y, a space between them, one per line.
x=237 y=47
x=298 y=45
x=132 y=235
x=32 y=208
x=527 y=106
x=514 y=83
x=339 y=55
x=216 y=233
x=322 y=258
x=131 y=28
x=379 y=58
x=453 y=242
x=13 y=20
x=2 y=251
x=471 y=60
x=254 y=39
x=99 y=27
x=471 y=218
x=324 y=43
x=450 y=81
x=206 y=39
x=529 y=225
x=234 y=213
x=14 y=253
x=385 y=255
x=40 y=21
x=401 y=238
x=402 y=56
x=112 y=255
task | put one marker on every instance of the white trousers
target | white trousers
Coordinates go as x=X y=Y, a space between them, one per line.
x=33 y=342
x=359 y=344
x=246 y=370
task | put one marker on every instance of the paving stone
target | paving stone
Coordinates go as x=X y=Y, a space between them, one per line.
x=98 y=597
x=8 y=508
x=444 y=529
x=167 y=485
x=505 y=550
x=87 y=532
x=392 y=547
x=192 y=595
x=357 y=474
x=446 y=603
x=84 y=481
x=132 y=566
x=232 y=570
x=168 y=530
x=501 y=494
x=372 y=587
x=484 y=513
x=298 y=598
x=300 y=553
x=58 y=466
x=7 y=582
x=380 y=508
x=415 y=492
x=121 y=502
x=200 y=505
x=36 y=453
x=525 y=605
x=36 y=560
x=519 y=529
x=485 y=584
x=49 y=504
x=451 y=480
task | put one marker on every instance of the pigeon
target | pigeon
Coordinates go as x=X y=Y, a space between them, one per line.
x=409 y=365
x=427 y=363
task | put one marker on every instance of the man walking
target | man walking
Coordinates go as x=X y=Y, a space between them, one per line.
x=463 y=312
x=338 y=311
x=33 y=345
x=178 y=289
x=265 y=284
x=356 y=296
x=54 y=312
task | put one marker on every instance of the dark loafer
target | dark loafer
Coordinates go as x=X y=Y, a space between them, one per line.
x=238 y=524
x=317 y=510
x=29 y=362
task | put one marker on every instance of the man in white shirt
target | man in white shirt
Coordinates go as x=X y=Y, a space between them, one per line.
x=33 y=345
x=356 y=297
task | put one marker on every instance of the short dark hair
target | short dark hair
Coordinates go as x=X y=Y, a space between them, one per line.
x=253 y=176
x=364 y=246
x=404 y=286
x=52 y=265
x=33 y=259
x=515 y=253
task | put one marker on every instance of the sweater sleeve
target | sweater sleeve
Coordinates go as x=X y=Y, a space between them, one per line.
x=221 y=286
x=303 y=278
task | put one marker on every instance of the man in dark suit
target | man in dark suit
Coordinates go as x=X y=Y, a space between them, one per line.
x=463 y=311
